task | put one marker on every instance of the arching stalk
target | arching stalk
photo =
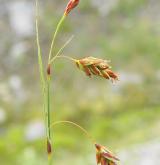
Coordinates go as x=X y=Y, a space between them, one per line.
x=77 y=126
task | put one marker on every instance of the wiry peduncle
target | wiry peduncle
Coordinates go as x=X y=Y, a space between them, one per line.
x=54 y=37
x=67 y=57
x=61 y=49
x=76 y=125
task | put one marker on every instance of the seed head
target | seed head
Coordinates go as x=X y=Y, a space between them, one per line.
x=104 y=156
x=71 y=5
x=98 y=67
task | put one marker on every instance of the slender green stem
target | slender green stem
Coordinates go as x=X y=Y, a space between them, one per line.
x=43 y=84
x=48 y=116
x=48 y=109
x=41 y=68
x=49 y=161
x=77 y=126
x=54 y=37
x=40 y=63
x=61 y=49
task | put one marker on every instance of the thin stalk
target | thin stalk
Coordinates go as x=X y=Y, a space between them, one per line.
x=67 y=57
x=41 y=68
x=40 y=63
x=61 y=49
x=43 y=85
x=54 y=37
x=48 y=108
x=48 y=116
x=77 y=126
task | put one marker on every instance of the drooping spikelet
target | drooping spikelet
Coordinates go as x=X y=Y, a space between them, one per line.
x=98 y=67
x=104 y=156
x=70 y=6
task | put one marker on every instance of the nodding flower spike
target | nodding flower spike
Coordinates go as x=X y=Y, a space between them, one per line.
x=98 y=67
x=104 y=156
x=70 y=6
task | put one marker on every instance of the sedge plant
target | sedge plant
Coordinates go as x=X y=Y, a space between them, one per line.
x=91 y=66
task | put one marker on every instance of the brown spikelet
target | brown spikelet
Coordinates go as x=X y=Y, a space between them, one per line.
x=70 y=6
x=87 y=71
x=104 y=156
x=98 y=67
x=94 y=70
x=112 y=74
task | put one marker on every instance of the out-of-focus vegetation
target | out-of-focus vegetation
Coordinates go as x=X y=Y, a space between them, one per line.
x=126 y=113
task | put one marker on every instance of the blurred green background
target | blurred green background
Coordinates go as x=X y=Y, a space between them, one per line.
x=123 y=116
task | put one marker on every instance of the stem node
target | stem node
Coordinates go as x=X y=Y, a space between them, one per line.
x=49 y=70
x=49 y=148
